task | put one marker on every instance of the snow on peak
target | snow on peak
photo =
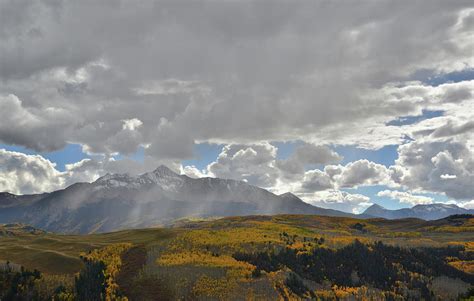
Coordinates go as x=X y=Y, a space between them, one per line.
x=162 y=176
x=114 y=180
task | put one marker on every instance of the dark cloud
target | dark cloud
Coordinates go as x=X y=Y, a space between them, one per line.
x=231 y=72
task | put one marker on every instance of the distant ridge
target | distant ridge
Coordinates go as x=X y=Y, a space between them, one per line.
x=427 y=212
x=120 y=201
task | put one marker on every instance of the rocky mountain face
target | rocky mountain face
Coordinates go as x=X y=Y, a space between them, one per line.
x=121 y=201
x=426 y=212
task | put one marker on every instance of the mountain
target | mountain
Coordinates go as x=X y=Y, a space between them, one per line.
x=121 y=201
x=426 y=212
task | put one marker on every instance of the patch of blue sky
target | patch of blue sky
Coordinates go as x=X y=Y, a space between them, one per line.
x=429 y=77
x=205 y=153
x=385 y=155
x=406 y=120
x=285 y=149
x=453 y=77
x=71 y=153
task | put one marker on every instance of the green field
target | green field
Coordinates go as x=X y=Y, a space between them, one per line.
x=197 y=259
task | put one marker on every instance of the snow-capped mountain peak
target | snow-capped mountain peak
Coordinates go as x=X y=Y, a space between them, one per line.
x=162 y=176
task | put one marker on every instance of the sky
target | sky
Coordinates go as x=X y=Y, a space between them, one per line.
x=344 y=104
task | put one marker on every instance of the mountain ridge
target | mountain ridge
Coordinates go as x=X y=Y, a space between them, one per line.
x=119 y=201
x=423 y=211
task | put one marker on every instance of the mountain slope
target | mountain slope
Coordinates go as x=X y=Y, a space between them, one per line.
x=121 y=201
x=426 y=212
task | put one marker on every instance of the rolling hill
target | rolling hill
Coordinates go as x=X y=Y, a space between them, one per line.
x=290 y=257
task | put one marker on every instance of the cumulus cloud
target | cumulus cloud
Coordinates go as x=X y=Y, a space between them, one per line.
x=351 y=175
x=438 y=166
x=339 y=200
x=316 y=180
x=26 y=174
x=193 y=172
x=253 y=163
x=406 y=197
x=363 y=172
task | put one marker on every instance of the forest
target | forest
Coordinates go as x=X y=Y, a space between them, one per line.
x=396 y=270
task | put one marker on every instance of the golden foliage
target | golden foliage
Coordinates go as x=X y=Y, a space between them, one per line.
x=466 y=266
x=207 y=286
x=204 y=259
x=111 y=257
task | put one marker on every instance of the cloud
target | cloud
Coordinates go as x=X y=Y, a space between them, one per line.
x=339 y=200
x=351 y=175
x=42 y=129
x=252 y=163
x=222 y=72
x=449 y=129
x=467 y=204
x=131 y=124
x=171 y=86
x=405 y=197
x=316 y=180
x=363 y=172
x=438 y=166
x=193 y=172
x=26 y=174
x=448 y=177
x=306 y=155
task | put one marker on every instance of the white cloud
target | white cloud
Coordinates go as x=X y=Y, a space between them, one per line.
x=339 y=200
x=253 y=163
x=406 y=197
x=467 y=204
x=26 y=174
x=131 y=124
x=193 y=172
x=432 y=165
x=363 y=172
x=448 y=177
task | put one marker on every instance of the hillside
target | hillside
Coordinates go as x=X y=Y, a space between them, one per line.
x=120 y=201
x=259 y=256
